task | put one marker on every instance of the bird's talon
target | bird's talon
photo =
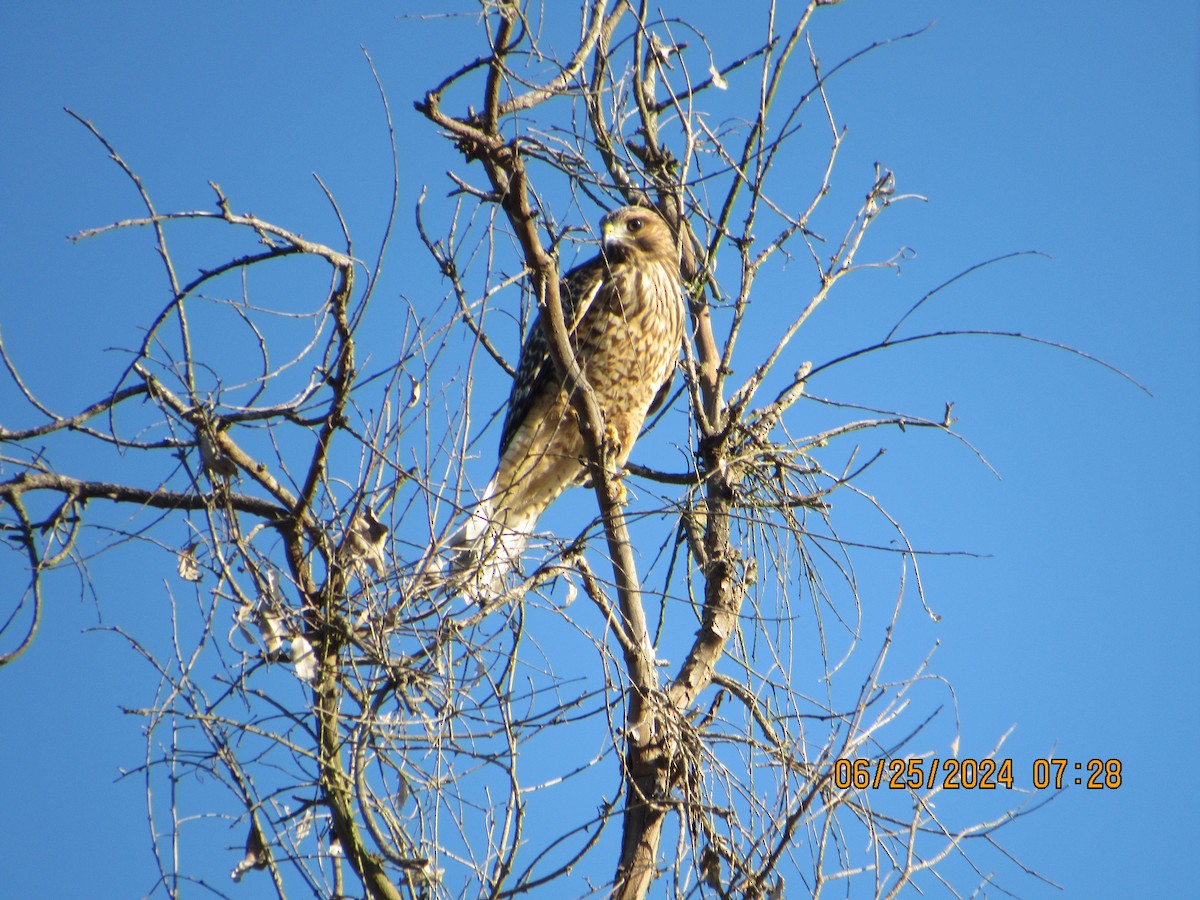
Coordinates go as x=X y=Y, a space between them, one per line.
x=612 y=445
x=621 y=495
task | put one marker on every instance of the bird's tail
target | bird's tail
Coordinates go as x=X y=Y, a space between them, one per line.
x=484 y=552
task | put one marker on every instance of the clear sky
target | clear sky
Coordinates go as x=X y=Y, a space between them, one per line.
x=1070 y=129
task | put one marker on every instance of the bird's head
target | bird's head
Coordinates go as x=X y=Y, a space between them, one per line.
x=633 y=231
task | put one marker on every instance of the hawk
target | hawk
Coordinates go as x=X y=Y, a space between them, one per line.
x=624 y=316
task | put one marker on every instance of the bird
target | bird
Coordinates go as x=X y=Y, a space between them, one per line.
x=625 y=320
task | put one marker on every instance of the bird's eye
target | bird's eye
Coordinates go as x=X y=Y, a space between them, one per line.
x=635 y=224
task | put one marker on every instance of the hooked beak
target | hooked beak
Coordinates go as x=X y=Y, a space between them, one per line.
x=609 y=236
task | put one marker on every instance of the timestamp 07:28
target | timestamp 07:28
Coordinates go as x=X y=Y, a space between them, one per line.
x=972 y=774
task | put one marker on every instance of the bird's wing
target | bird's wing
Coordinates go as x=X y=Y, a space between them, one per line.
x=661 y=397
x=535 y=371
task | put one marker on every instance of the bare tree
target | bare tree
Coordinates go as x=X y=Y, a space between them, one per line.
x=718 y=714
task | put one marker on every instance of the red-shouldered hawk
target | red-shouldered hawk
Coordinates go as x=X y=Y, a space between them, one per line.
x=624 y=315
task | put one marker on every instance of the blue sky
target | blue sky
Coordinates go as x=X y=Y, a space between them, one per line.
x=1070 y=129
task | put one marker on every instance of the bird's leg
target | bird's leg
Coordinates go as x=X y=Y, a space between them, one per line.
x=610 y=453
